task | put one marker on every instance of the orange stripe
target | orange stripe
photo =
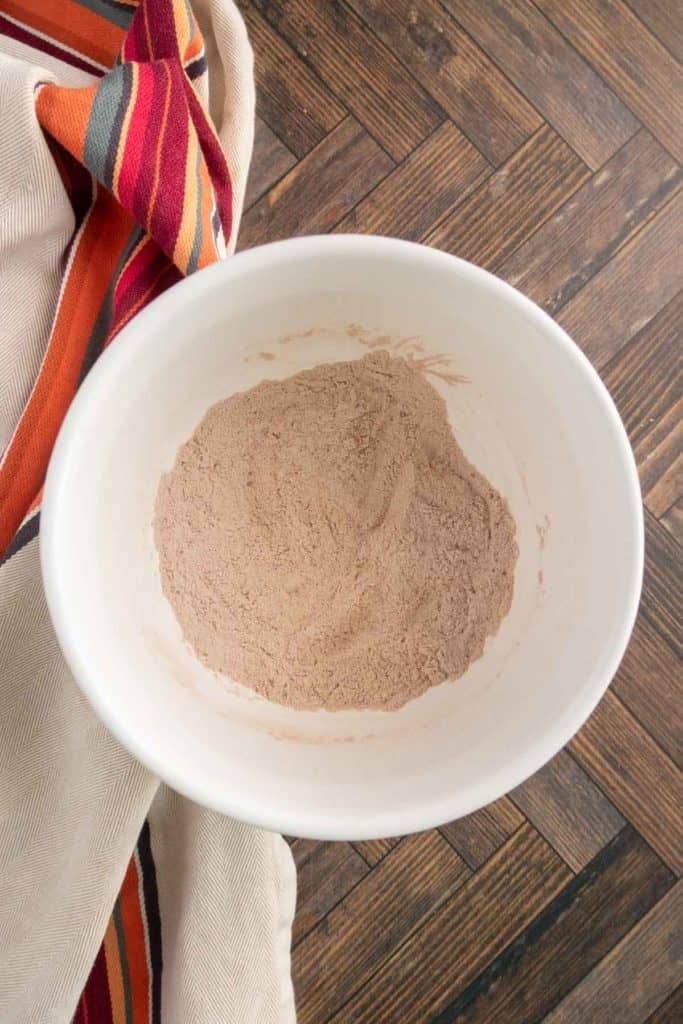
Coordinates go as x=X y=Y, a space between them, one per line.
x=136 y=946
x=69 y=23
x=114 y=976
x=193 y=48
x=104 y=234
x=181 y=23
x=64 y=114
x=124 y=129
x=183 y=245
x=207 y=253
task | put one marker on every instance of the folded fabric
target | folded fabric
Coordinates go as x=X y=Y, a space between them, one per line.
x=119 y=900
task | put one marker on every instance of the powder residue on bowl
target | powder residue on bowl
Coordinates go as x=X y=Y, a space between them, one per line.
x=324 y=540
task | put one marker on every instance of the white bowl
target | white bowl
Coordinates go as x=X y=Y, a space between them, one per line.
x=533 y=416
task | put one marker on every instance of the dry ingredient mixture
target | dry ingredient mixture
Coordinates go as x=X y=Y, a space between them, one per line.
x=323 y=539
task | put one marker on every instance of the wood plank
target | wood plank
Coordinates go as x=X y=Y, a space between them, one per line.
x=270 y=161
x=671 y=1011
x=567 y=939
x=468 y=931
x=568 y=809
x=560 y=84
x=637 y=776
x=293 y=101
x=512 y=203
x=326 y=872
x=632 y=62
x=355 y=938
x=668 y=486
x=469 y=87
x=673 y=520
x=594 y=223
x=645 y=379
x=662 y=599
x=646 y=382
x=630 y=982
x=441 y=172
x=320 y=189
x=664 y=18
x=375 y=850
x=650 y=683
x=626 y=295
x=478 y=836
x=372 y=83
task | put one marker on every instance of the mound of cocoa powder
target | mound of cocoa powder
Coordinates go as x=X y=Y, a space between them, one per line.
x=323 y=539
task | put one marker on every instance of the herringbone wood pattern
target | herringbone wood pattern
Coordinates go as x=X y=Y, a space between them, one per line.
x=541 y=139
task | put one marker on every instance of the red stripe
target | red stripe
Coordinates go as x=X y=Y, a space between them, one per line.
x=14 y=30
x=143 y=189
x=167 y=212
x=79 y=1016
x=135 y=138
x=96 y=993
x=165 y=40
x=134 y=278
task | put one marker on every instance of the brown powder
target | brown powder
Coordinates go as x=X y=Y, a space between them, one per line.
x=324 y=540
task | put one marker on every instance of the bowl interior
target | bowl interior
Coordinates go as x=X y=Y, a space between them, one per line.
x=531 y=414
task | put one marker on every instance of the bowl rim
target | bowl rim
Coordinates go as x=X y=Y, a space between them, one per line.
x=296 y=819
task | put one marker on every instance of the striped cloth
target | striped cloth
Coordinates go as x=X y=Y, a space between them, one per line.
x=114 y=183
x=148 y=182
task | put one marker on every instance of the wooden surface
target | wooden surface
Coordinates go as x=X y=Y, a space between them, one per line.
x=541 y=139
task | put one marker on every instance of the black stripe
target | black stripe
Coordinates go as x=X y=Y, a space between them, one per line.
x=27 y=532
x=149 y=888
x=197 y=68
x=126 y=90
x=116 y=13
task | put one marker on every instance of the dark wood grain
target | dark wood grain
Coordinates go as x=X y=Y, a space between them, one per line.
x=670 y=1011
x=635 y=773
x=455 y=71
x=650 y=683
x=569 y=810
x=477 y=836
x=646 y=382
x=662 y=600
x=542 y=64
x=437 y=176
x=587 y=230
x=326 y=872
x=632 y=979
x=630 y=59
x=664 y=18
x=511 y=203
x=539 y=138
x=567 y=939
x=626 y=295
x=291 y=98
x=339 y=172
x=270 y=162
x=338 y=956
x=374 y=850
x=673 y=521
x=373 y=83
x=468 y=931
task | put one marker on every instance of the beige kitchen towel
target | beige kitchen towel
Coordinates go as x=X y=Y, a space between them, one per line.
x=116 y=895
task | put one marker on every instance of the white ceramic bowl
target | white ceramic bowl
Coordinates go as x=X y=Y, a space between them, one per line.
x=534 y=417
